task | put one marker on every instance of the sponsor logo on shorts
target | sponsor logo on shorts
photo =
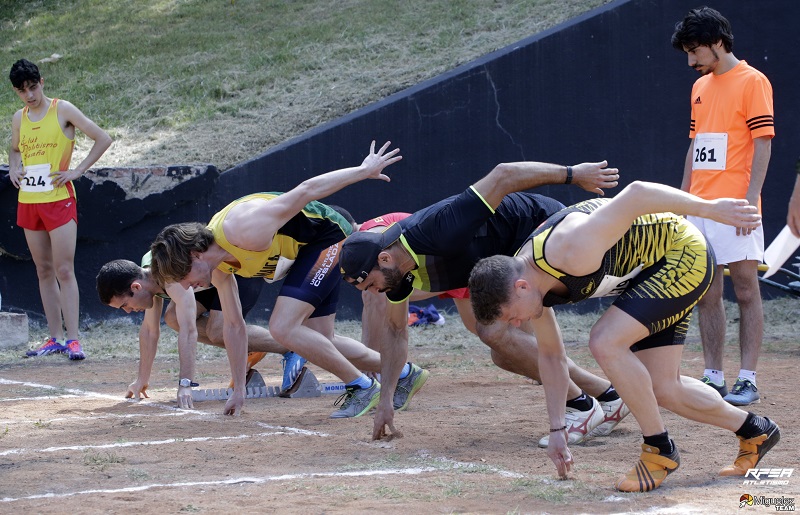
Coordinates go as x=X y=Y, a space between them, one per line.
x=330 y=258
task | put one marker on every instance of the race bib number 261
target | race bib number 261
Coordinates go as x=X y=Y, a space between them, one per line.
x=710 y=151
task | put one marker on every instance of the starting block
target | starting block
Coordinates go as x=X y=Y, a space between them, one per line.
x=306 y=386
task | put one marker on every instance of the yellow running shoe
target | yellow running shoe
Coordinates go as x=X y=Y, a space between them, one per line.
x=752 y=450
x=651 y=470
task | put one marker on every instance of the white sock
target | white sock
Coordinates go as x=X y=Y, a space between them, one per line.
x=406 y=370
x=750 y=375
x=717 y=376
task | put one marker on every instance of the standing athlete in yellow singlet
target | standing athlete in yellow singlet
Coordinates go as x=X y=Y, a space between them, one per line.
x=42 y=139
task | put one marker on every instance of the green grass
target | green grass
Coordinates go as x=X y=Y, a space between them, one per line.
x=177 y=81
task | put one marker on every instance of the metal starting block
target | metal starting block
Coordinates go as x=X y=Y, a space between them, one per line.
x=256 y=389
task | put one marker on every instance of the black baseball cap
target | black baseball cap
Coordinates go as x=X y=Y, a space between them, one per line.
x=360 y=251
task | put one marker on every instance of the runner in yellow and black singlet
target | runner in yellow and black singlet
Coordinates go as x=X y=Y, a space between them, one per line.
x=658 y=271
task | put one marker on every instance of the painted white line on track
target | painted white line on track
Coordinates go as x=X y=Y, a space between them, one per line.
x=198 y=414
x=139 y=443
x=86 y=393
x=68 y=390
x=252 y=480
x=292 y=430
x=41 y=398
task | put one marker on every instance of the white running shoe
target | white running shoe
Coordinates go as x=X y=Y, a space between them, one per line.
x=614 y=412
x=579 y=424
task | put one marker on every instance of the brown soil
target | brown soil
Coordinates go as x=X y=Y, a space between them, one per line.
x=469 y=445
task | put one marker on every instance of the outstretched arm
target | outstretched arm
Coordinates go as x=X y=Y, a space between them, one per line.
x=149 y=333
x=555 y=378
x=234 y=334
x=186 y=313
x=608 y=223
x=256 y=226
x=394 y=352
x=507 y=178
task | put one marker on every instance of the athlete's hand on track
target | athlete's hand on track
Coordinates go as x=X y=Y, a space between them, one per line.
x=384 y=417
x=375 y=162
x=185 y=397
x=234 y=405
x=559 y=452
x=736 y=212
x=136 y=389
x=595 y=177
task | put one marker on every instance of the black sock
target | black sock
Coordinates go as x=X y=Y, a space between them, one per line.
x=753 y=426
x=608 y=395
x=661 y=442
x=581 y=403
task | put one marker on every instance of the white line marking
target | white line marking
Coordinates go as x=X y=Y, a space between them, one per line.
x=136 y=444
x=182 y=413
x=68 y=390
x=86 y=393
x=40 y=398
x=291 y=429
x=253 y=480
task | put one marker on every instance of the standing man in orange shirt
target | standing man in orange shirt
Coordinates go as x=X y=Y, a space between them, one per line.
x=42 y=139
x=731 y=131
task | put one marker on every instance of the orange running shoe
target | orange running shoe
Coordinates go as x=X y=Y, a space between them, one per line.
x=752 y=450
x=252 y=359
x=651 y=470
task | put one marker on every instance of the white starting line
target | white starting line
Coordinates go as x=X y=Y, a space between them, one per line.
x=446 y=464
x=241 y=480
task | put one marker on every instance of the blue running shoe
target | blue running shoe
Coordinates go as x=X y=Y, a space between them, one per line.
x=292 y=368
x=50 y=346
x=73 y=348
x=743 y=393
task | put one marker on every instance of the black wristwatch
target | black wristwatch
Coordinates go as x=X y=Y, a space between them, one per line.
x=187 y=383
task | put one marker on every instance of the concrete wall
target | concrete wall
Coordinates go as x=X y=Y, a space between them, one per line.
x=605 y=85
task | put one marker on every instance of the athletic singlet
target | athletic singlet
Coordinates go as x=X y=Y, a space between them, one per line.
x=449 y=237
x=45 y=149
x=728 y=112
x=664 y=239
x=383 y=221
x=315 y=223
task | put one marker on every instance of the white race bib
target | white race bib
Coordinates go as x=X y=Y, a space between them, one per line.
x=611 y=285
x=710 y=151
x=37 y=179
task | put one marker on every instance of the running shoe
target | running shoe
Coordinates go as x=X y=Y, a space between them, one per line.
x=408 y=386
x=743 y=393
x=252 y=359
x=579 y=424
x=50 y=346
x=722 y=390
x=356 y=401
x=752 y=450
x=73 y=348
x=651 y=470
x=293 y=370
x=613 y=413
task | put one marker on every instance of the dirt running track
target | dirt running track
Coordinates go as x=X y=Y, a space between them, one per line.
x=469 y=446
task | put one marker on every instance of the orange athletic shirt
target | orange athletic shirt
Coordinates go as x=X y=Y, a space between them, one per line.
x=739 y=104
x=44 y=142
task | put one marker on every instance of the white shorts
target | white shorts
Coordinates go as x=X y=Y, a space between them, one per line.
x=728 y=247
